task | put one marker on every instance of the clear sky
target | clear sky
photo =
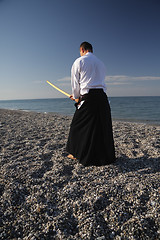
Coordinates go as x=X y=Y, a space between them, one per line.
x=39 y=41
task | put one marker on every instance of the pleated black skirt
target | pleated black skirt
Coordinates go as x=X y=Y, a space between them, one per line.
x=91 y=138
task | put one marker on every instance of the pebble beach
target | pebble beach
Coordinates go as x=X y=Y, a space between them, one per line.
x=45 y=195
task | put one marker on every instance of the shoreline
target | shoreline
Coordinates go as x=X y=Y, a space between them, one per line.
x=147 y=122
x=45 y=195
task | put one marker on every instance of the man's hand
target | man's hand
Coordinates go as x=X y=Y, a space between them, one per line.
x=72 y=98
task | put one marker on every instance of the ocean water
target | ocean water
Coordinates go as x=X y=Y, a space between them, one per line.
x=135 y=109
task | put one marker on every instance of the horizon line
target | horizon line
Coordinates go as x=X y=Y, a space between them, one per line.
x=23 y=99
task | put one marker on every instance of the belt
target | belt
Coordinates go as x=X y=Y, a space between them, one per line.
x=84 y=96
x=92 y=91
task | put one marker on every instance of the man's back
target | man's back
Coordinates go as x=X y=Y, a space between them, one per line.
x=90 y=71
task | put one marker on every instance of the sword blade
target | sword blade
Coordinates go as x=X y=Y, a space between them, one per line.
x=68 y=95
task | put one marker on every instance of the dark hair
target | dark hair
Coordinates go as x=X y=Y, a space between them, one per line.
x=86 y=46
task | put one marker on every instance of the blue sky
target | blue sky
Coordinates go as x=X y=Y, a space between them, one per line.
x=39 y=41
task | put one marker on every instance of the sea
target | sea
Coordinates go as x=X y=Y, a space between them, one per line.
x=130 y=109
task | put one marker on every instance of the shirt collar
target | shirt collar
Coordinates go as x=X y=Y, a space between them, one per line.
x=88 y=53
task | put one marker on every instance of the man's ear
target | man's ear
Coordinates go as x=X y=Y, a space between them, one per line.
x=82 y=49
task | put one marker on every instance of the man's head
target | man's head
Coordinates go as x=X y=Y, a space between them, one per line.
x=85 y=47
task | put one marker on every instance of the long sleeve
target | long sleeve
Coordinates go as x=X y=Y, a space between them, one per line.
x=75 y=77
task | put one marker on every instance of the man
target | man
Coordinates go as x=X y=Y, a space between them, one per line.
x=90 y=139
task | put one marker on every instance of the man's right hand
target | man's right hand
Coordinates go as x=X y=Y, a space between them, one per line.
x=72 y=98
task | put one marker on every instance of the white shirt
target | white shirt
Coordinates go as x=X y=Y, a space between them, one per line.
x=87 y=72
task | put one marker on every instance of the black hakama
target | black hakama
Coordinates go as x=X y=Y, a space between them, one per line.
x=90 y=138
